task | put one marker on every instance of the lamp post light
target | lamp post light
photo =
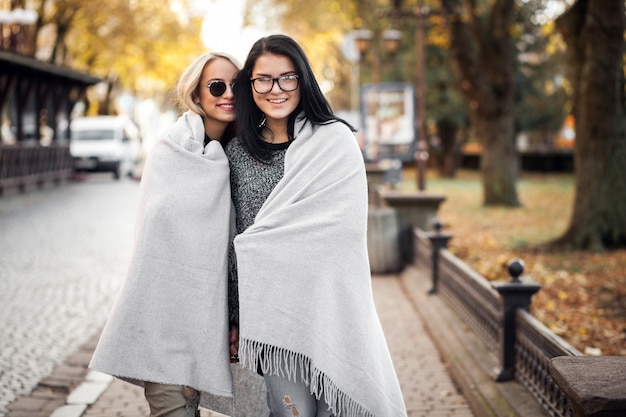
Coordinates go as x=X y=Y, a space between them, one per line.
x=391 y=39
x=16 y=30
x=362 y=38
x=391 y=43
x=421 y=155
x=358 y=42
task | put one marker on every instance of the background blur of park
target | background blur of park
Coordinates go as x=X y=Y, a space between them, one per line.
x=515 y=112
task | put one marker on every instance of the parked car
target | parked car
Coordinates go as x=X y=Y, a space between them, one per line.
x=105 y=144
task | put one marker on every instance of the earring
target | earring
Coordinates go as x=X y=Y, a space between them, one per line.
x=262 y=122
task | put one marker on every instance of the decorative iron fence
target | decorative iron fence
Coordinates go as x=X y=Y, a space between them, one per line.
x=531 y=344
x=536 y=345
x=472 y=297
x=24 y=165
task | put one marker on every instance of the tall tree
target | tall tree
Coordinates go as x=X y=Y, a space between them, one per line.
x=446 y=107
x=483 y=57
x=139 y=46
x=594 y=34
x=543 y=97
x=62 y=14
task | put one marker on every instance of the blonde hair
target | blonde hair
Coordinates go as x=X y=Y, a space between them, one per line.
x=187 y=90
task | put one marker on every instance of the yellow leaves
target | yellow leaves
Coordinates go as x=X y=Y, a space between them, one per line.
x=137 y=40
x=558 y=329
x=548 y=29
x=437 y=34
x=491 y=242
x=335 y=6
x=582 y=295
x=555 y=41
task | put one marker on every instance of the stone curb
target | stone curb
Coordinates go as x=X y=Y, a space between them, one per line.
x=87 y=393
x=472 y=366
x=65 y=392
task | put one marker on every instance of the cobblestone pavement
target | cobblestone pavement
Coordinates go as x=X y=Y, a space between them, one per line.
x=426 y=385
x=63 y=252
x=60 y=273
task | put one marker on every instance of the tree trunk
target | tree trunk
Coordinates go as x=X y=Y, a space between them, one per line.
x=499 y=164
x=447 y=158
x=483 y=57
x=594 y=33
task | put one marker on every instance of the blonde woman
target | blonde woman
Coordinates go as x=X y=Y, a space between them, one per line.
x=168 y=330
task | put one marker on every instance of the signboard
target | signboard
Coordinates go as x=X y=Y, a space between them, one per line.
x=388 y=121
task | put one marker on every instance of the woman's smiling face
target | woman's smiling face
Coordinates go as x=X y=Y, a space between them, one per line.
x=221 y=108
x=276 y=104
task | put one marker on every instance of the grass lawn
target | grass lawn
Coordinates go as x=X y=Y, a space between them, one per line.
x=583 y=295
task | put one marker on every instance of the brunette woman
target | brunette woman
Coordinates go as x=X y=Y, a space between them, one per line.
x=307 y=320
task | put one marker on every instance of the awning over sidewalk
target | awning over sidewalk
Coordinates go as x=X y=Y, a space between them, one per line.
x=29 y=86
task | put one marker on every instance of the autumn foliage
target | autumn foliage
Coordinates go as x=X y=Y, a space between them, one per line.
x=583 y=295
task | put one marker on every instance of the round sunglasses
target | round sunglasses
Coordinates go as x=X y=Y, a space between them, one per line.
x=217 y=88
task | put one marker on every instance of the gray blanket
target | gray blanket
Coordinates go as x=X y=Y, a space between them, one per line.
x=306 y=303
x=169 y=323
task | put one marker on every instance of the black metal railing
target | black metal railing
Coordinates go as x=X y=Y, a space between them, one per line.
x=468 y=293
x=536 y=345
x=471 y=297
x=503 y=322
x=24 y=165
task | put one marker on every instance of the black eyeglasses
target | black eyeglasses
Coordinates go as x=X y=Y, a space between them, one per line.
x=263 y=85
x=217 y=88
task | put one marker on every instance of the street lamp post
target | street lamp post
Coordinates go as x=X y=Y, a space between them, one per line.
x=391 y=42
x=391 y=39
x=362 y=39
x=421 y=155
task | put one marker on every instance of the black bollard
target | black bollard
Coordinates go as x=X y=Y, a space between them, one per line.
x=438 y=241
x=515 y=294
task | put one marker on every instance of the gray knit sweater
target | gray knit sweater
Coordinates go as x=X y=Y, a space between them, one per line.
x=251 y=182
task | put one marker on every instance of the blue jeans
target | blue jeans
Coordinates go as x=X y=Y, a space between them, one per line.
x=286 y=398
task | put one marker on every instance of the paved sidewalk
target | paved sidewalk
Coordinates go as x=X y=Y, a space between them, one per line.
x=426 y=383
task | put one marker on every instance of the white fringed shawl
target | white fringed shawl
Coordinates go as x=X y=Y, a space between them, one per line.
x=169 y=323
x=304 y=280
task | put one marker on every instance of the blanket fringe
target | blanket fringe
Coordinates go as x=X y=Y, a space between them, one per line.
x=274 y=360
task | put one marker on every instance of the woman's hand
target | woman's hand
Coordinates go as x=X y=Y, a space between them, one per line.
x=233 y=338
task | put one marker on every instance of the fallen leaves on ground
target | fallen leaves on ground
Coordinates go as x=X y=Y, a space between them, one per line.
x=583 y=294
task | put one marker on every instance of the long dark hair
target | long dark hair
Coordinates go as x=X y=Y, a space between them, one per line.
x=313 y=104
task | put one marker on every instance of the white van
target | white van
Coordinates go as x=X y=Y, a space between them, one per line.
x=105 y=143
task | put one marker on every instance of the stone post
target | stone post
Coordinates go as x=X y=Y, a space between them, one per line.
x=374 y=174
x=515 y=294
x=438 y=241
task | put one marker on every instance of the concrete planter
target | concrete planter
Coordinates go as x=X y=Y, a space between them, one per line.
x=414 y=209
x=382 y=241
x=374 y=174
